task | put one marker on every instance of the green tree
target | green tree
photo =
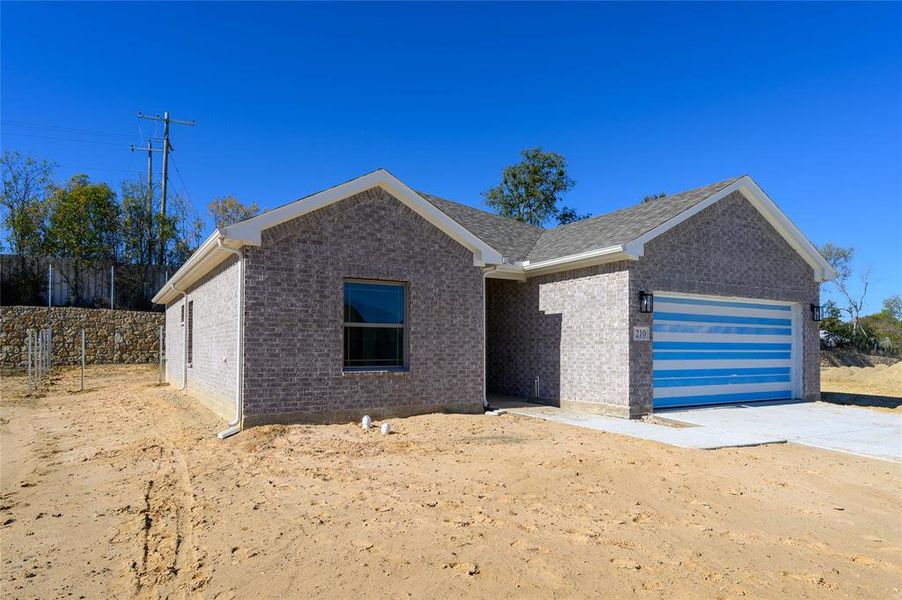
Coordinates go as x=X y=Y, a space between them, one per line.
x=183 y=228
x=569 y=215
x=228 y=210
x=25 y=182
x=531 y=190
x=840 y=258
x=138 y=222
x=83 y=229
x=651 y=197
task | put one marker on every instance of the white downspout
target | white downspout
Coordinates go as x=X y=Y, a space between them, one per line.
x=235 y=425
x=485 y=335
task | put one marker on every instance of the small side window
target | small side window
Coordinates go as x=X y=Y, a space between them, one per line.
x=182 y=318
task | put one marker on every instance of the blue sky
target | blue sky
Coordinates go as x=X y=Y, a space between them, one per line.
x=640 y=98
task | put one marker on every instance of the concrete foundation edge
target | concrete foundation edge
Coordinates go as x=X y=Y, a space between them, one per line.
x=353 y=415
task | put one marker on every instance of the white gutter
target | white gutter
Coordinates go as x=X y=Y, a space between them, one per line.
x=554 y=262
x=235 y=425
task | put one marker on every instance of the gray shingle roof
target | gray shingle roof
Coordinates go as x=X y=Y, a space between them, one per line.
x=511 y=238
x=518 y=241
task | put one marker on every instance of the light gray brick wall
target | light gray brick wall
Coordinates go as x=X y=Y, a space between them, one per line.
x=727 y=249
x=570 y=329
x=212 y=374
x=294 y=315
x=574 y=329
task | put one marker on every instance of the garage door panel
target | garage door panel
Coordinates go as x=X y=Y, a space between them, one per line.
x=708 y=317
x=721 y=399
x=718 y=345
x=719 y=329
x=686 y=303
x=722 y=380
x=686 y=309
x=713 y=351
x=729 y=388
x=717 y=364
x=727 y=338
x=709 y=356
x=718 y=372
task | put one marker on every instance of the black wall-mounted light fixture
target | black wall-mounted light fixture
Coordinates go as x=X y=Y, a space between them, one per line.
x=817 y=312
x=646 y=302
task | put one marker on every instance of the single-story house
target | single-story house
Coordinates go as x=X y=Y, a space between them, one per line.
x=372 y=298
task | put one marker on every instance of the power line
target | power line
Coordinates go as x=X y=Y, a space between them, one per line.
x=74 y=168
x=75 y=130
x=167 y=148
x=58 y=139
x=184 y=186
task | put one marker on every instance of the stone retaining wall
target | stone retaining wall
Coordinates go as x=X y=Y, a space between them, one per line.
x=851 y=358
x=111 y=336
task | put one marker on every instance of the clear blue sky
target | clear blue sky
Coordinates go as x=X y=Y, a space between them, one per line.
x=640 y=98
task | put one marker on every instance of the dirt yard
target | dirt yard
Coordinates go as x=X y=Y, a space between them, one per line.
x=878 y=387
x=123 y=491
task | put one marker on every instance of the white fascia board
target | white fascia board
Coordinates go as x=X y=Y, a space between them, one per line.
x=208 y=255
x=575 y=261
x=506 y=271
x=768 y=209
x=250 y=231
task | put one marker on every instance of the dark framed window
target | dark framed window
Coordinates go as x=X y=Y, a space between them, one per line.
x=190 y=332
x=375 y=325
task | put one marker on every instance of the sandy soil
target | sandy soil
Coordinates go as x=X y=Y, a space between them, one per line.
x=878 y=387
x=123 y=491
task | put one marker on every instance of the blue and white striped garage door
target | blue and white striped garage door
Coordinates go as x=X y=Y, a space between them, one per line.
x=718 y=351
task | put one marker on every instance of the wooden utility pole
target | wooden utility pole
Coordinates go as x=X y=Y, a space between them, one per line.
x=164 y=183
x=150 y=150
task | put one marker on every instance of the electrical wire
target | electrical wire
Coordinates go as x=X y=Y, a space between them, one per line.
x=60 y=139
x=68 y=130
x=184 y=187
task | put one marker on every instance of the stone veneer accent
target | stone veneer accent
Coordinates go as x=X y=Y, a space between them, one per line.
x=294 y=315
x=111 y=336
x=727 y=249
x=569 y=329
x=212 y=374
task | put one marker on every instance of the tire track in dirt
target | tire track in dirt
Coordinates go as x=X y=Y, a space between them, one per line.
x=171 y=561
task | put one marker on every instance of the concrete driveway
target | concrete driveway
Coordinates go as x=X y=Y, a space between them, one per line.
x=860 y=431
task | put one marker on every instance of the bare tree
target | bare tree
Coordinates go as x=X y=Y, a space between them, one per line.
x=25 y=183
x=840 y=258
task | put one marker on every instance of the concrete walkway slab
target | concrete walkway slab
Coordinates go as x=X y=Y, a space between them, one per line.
x=852 y=430
x=860 y=431
x=684 y=437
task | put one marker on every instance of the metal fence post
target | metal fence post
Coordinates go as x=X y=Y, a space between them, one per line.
x=112 y=288
x=37 y=362
x=28 y=362
x=161 y=355
x=82 y=360
x=49 y=285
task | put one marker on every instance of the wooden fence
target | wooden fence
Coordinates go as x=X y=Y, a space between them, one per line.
x=25 y=280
